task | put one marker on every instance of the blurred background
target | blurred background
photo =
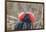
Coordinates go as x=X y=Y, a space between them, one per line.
x=14 y=8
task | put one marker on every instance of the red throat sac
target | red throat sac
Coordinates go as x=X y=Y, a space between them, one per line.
x=30 y=14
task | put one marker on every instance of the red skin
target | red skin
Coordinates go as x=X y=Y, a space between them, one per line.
x=21 y=16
